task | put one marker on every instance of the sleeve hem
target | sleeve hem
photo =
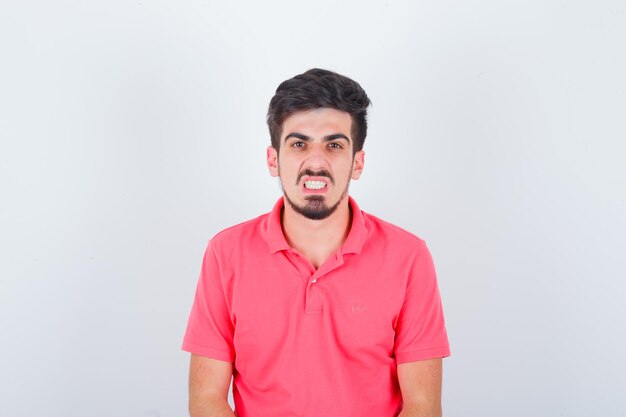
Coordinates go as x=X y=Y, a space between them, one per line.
x=208 y=352
x=423 y=354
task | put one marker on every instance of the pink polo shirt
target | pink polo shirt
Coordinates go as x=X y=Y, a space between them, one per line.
x=317 y=343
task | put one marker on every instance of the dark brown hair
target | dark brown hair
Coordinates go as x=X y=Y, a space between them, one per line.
x=314 y=89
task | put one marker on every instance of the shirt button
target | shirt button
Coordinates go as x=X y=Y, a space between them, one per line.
x=314 y=281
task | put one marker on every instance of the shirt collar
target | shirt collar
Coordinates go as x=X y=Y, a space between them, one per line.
x=276 y=241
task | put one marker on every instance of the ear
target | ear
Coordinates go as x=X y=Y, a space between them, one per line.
x=357 y=165
x=272 y=161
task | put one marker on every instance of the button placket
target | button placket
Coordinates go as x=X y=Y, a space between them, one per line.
x=313 y=295
x=312 y=299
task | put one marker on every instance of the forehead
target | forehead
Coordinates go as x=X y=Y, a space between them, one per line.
x=322 y=121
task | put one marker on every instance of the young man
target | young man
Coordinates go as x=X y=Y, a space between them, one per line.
x=316 y=309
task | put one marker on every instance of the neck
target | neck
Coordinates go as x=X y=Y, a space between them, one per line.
x=327 y=235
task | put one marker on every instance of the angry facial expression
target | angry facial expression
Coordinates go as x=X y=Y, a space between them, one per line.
x=316 y=161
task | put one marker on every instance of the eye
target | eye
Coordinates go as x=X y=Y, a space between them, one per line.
x=335 y=145
x=297 y=144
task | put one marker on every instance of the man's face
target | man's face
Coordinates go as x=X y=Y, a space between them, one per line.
x=315 y=161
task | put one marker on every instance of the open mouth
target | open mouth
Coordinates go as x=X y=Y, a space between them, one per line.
x=314 y=185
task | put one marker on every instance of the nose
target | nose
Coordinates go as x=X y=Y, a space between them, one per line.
x=316 y=164
x=316 y=157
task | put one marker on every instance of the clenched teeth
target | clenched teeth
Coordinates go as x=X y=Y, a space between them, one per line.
x=314 y=185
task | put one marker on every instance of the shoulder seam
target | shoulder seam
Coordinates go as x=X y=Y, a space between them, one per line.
x=238 y=225
x=395 y=227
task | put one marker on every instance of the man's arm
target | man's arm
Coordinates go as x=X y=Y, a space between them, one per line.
x=420 y=384
x=209 y=380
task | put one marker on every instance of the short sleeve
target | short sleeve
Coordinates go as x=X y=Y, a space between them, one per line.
x=420 y=330
x=209 y=329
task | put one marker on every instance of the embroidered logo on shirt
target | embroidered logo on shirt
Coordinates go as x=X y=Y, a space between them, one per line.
x=358 y=309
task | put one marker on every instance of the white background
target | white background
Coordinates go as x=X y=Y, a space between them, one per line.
x=132 y=131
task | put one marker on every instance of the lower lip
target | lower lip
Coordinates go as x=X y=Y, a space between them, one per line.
x=310 y=191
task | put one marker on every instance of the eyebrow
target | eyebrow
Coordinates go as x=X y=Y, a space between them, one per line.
x=327 y=138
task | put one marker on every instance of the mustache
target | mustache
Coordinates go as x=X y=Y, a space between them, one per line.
x=311 y=173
